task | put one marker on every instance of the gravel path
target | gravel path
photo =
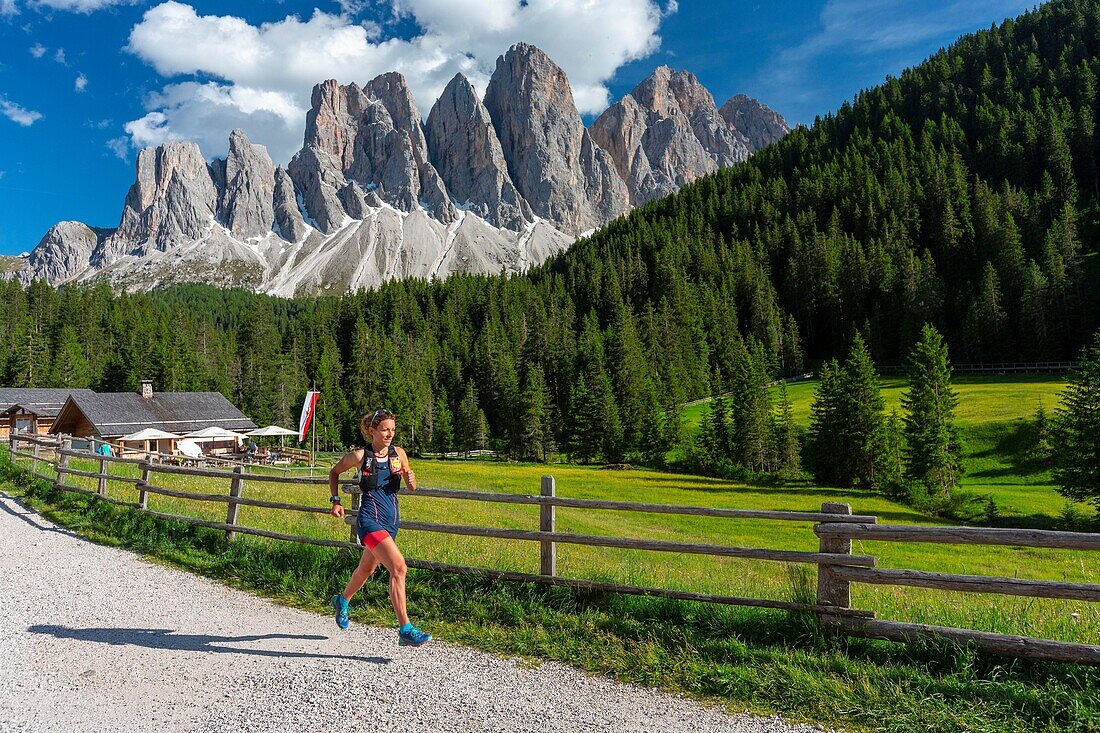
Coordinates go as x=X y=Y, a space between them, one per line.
x=94 y=638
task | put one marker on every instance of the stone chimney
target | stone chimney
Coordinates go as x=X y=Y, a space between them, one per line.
x=146 y=388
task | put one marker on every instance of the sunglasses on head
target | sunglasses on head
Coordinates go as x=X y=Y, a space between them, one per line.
x=379 y=415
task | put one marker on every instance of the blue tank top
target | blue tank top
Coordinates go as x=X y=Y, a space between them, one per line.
x=379 y=485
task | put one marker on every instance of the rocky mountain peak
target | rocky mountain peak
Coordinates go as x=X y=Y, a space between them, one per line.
x=760 y=124
x=666 y=133
x=173 y=200
x=565 y=176
x=465 y=149
x=246 y=204
x=393 y=92
x=65 y=251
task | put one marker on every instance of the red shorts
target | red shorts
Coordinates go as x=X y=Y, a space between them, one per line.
x=373 y=539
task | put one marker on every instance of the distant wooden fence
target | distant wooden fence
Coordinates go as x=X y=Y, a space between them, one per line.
x=997 y=367
x=837 y=566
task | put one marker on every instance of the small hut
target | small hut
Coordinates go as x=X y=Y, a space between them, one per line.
x=32 y=410
x=108 y=416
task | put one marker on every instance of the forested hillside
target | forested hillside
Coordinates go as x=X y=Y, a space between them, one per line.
x=963 y=194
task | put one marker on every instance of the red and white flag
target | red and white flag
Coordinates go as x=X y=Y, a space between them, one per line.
x=308 y=408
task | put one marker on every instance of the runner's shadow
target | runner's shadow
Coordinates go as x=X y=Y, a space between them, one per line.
x=168 y=639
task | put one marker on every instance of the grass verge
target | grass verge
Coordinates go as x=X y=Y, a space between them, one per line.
x=747 y=659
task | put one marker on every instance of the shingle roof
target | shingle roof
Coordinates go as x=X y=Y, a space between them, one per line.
x=121 y=413
x=42 y=402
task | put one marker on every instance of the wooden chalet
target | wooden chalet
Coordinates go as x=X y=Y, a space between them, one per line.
x=32 y=410
x=108 y=416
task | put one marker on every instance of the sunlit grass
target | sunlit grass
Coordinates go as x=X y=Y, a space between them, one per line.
x=994 y=418
x=750 y=659
x=720 y=576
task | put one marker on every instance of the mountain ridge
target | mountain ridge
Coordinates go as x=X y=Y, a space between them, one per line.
x=482 y=185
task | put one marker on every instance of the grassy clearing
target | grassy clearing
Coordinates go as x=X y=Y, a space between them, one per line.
x=748 y=659
x=1046 y=618
x=994 y=418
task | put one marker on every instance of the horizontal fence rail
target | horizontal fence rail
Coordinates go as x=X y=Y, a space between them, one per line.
x=972 y=583
x=962 y=535
x=835 y=527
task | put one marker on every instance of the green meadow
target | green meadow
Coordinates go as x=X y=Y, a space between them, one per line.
x=747 y=659
x=1063 y=620
x=995 y=420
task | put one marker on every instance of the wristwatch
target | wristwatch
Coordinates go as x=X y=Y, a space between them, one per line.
x=334 y=498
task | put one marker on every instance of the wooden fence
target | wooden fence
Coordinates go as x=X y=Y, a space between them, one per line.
x=995 y=367
x=837 y=566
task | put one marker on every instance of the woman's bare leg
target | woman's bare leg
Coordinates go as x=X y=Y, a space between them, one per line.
x=387 y=553
x=367 y=564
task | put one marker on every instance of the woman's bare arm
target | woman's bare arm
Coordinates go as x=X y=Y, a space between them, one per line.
x=406 y=469
x=350 y=460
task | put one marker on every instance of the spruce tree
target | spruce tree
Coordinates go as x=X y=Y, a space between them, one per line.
x=660 y=432
x=785 y=455
x=713 y=441
x=823 y=444
x=582 y=442
x=1076 y=427
x=533 y=418
x=893 y=454
x=750 y=408
x=932 y=448
x=861 y=417
x=29 y=365
x=69 y=367
x=470 y=423
x=442 y=425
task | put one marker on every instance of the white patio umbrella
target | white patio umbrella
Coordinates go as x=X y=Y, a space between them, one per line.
x=214 y=434
x=270 y=430
x=147 y=435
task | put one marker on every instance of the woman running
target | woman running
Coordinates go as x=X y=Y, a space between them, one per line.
x=382 y=465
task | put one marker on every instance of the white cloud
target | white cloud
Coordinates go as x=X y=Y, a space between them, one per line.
x=206 y=113
x=17 y=114
x=79 y=6
x=81 y=82
x=150 y=130
x=59 y=56
x=264 y=73
x=38 y=50
x=11 y=7
x=2 y=173
x=120 y=146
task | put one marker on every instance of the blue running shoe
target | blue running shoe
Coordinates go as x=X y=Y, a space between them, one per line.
x=409 y=635
x=341 y=607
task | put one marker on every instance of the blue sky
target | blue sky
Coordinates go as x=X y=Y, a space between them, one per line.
x=84 y=84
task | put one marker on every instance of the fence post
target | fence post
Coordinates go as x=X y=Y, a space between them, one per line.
x=143 y=495
x=235 y=490
x=547 y=554
x=63 y=461
x=11 y=447
x=831 y=591
x=37 y=449
x=102 y=476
